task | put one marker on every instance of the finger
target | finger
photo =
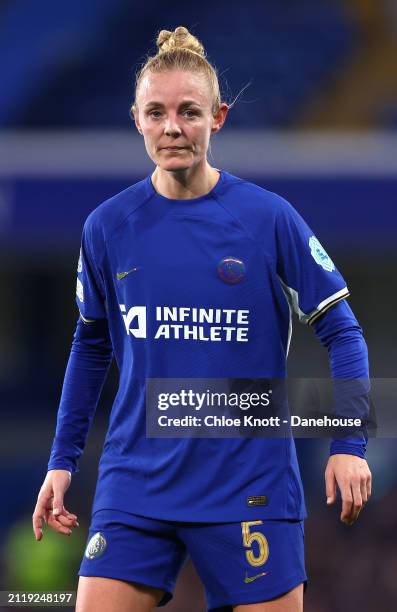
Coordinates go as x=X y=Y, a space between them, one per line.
x=68 y=518
x=57 y=526
x=70 y=514
x=364 y=492
x=369 y=485
x=66 y=521
x=53 y=521
x=347 y=503
x=37 y=520
x=330 y=487
x=357 y=500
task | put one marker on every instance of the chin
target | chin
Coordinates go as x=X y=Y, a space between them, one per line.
x=174 y=166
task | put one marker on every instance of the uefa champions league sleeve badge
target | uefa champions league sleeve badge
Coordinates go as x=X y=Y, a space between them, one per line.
x=96 y=546
x=320 y=255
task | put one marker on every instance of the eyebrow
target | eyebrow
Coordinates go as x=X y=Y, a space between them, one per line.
x=184 y=103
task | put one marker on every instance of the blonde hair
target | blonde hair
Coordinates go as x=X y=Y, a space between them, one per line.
x=180 y=50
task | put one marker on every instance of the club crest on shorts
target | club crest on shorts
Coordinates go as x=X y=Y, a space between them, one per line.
x=96 y=546
x=320 y=255
x=231 y=270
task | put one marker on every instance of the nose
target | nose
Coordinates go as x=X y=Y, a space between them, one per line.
x=171 y=127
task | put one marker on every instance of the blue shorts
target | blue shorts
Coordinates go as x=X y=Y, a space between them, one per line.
x=238 y=563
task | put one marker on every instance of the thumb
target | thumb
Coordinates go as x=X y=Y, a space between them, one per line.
x=57 y=502
x=330 y=488
x=60 y=481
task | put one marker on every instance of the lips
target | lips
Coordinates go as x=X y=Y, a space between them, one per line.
x=174 y=148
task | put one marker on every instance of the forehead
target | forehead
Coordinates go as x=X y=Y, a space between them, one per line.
x=173 y=86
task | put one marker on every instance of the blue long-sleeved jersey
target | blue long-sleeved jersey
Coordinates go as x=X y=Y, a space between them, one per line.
x=199 y=288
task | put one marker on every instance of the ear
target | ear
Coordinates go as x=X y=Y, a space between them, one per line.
x=219 y=118
x=135 y=117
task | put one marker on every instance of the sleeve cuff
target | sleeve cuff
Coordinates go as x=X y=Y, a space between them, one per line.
x=323 y=307
x=86 y=321
x=342 y=447
x=62 y=466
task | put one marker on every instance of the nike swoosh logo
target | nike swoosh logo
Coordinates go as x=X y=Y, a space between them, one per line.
x=252 y=578
x=121 y=275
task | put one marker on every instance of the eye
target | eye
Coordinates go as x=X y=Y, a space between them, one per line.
x=155 y=114
x=191 y=113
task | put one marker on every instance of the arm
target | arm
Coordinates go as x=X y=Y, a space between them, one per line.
x=88 y=364
x=87 y=368
x=339 y=331
x=86 y=372
x=315 y=290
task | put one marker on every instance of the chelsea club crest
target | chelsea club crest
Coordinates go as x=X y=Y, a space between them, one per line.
x=320 y=255
x=96 y=546
x=231 y=270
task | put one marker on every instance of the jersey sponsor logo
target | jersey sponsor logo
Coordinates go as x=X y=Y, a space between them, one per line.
x=320 y=255
x=257 y=500
x=136 y=314
x=231 y=270
x=188 y=323
x=80 y=290
x=96 y=546
x=80 y=263
x=121 y=275
x=248 y=579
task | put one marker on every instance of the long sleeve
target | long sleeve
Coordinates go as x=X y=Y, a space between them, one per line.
x=339 y=331
x=88 y=365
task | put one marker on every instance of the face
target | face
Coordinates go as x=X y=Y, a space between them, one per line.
x=174 y=115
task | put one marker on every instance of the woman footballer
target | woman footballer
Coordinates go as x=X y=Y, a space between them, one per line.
x=191 y=273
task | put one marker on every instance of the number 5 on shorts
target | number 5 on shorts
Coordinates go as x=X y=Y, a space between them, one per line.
x=254 y=536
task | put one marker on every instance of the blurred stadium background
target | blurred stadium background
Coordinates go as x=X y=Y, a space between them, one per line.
x=317 y=124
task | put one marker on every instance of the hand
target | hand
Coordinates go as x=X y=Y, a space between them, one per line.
x=354 y=480
x=49 y=507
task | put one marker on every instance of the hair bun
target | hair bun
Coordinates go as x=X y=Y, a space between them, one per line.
x=180 y=38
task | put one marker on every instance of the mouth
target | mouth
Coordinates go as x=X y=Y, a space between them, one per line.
x=174 y=148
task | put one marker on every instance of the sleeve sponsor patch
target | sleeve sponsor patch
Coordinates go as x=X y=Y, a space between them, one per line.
x=80 y=290
x=80 y=264
x=320 y=255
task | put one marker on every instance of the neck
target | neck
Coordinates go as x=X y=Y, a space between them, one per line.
x=185 y=184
